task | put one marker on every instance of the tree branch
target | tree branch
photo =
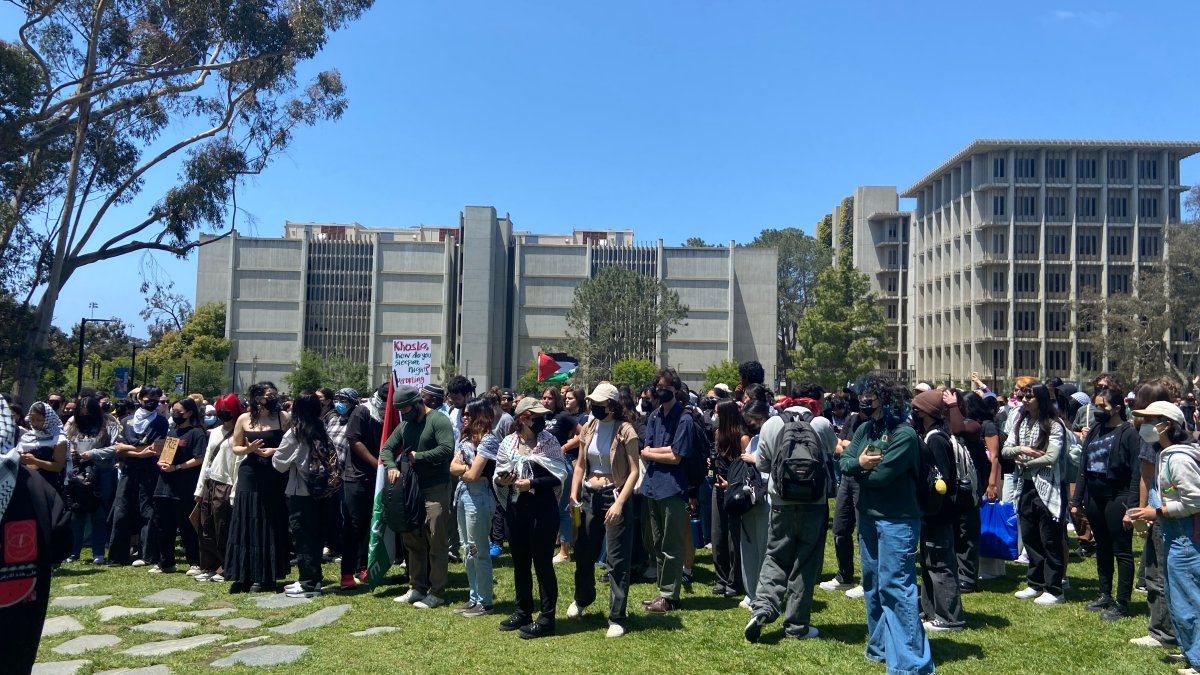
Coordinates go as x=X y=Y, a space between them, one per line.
x=155 y=245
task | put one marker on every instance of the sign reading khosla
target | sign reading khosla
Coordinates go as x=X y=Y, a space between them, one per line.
x=412 y=361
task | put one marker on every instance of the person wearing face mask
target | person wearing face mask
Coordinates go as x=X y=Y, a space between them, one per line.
x=428 y=438
x=845 y=510
x=529 y=479
x=68 y=410
x=215 y=490
x=210 y=417
x=646 y=402
x=174 y=494
x=1106 y=488
x=363 y=432
x=91 y=435
x=142 y=433
x=606 y=472
x=667 y=445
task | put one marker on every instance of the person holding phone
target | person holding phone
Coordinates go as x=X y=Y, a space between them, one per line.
x=474 y=464
x=137 y=450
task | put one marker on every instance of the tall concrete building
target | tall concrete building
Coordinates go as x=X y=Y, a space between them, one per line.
x=488 y=298
x=1008 y=234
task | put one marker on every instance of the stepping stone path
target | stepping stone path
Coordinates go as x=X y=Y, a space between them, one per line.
x=171 y=646
x=240 y=623
x=278 y=601
x=321 y=617
x=148 y=670
x=267 y=655
x=377 y=630
x=248 y=641
x=59 y=667
x=74 y=587
x=85 y=643
x=117 y=611
x=212 y=613
x=77 y=601
x=166 y=627
x=173 y=596
x=60 y=624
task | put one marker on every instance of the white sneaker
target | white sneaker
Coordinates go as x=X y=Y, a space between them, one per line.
x=413 y=595
x=1070 y=527
x=574 y=611
x=834 y=585
x=1146 y=641
x=560 y=558
x=1023 y=559
x=193 y=570
x=938 y=627
x=429 y=602
x=1048 y=598
x=1187 y=671
x=139 y=563
x=745 y=603
x=1027 y=593
x=202 y=576
x=856 y=592
x=216 y=578
x=614 y=629
x=292 y=587
x=811 y=633
x=302 y=592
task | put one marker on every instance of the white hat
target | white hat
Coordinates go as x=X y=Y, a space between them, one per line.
x=604 y=393
x=1163 y=409
x=722 y=387
x=923 y=387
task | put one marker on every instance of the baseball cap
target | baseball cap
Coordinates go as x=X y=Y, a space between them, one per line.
x=1163 y=409
x=603 y=393
x=530 y=404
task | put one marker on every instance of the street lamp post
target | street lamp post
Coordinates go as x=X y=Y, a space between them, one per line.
x=82 y=330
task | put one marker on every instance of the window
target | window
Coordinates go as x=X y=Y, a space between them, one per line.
x=892 y=258
x=1149 y=246
x=1118 y=244
x=999 y=319
x=1085 y=169
x=1118 y=170
x=891 y=310
x=1147 y=207
x=1148 y=169
x=891 y=284
x=1056 y=244
x=1089 y=281
x=998 y=167
x=1118 y=283
x=1056 y=282
x=1026 y=243
x=1026 y=282
x=1087 y=244
x=999 y=282
x=891 y=231
x=1026 y=167
x=1056 y=168
x=1025 y=320
x=1026 y=359
x=1085 y=206
x=1056 y=207
x=1174 y=208
x=998 y=205
x=1056 y=360
x=1085 y=361
x=1026 y=205
x=1056 y=321
x=999 y=360
x=1118 y=207
x=999 y=243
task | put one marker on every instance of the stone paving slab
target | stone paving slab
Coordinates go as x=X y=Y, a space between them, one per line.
x=321 y=617
x=85 y=643
x=166 y=627
x=277 y=601
x=240 y=623
x=267 y=655
x=248 y=641
x=212 y=613
x=59 y=667
x=56 y=625
x=171 y=646
x=148 y=670
x=117 y=611
x=376 y=630
x=74 y=587
x=173 y=596
x=77 y=601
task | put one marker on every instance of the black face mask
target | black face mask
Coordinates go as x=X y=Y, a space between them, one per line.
x=665 y=396
x=272 y=404
x=178 y=419
x=647 y=405
x=599 y=411
x=224 y=415
x=538 y=425
x=106 y=407
x=149 y=405
x=1102 y=416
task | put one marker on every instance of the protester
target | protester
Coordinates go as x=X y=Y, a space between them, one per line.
x=306 y=441
x=845 y=510
x=732 y=439
x=92 y=436
x=529 y=479
x=474 y=464
x=941 y=604
x=133 y=509
x=43 y=447
x=364 y=433
x=428 y=438
x=174 y=495
x=606 y=472
x=215 y=490
x=755 y=523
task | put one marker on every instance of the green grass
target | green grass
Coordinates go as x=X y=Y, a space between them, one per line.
x=1006 y=635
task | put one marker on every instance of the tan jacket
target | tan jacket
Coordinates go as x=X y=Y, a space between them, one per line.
x=625 y=442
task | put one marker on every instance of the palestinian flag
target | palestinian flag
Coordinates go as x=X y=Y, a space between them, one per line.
x=555 y=367
x=382 y=548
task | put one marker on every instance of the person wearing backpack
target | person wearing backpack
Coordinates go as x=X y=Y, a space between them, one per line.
x=732 y=439
x=1107 y=487
x=885 y=458
x=305 y=444
x=940 y=601
x=1036 y=443
x=799 y=488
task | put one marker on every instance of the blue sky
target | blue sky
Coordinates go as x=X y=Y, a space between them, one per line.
x=698 y=118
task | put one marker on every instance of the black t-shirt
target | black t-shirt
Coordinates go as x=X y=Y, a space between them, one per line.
x=362 y=428
x=989 y=428
x=181 y=484
x=142 y=466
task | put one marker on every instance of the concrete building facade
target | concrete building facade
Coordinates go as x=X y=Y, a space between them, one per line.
x=489 y=298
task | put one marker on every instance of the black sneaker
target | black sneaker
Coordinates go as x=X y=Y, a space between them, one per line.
x=687 y=581
x=537 y=629
x=514 y=622
x=754 y=629
x=1100 y=604
x=1116 y=612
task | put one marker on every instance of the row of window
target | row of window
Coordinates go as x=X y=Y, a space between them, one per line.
x=1085 y=168
x=1056 y=282
x=1085 y=206
x=1087 y=244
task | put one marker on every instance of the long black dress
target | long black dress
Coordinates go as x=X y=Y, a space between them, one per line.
x=258 y=531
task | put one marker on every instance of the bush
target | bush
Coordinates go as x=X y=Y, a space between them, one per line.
x=725 y=371
x=633 y=372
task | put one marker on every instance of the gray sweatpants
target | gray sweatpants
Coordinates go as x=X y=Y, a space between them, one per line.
x=795 y=551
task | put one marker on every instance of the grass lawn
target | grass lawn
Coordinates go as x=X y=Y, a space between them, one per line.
x=1005 y=635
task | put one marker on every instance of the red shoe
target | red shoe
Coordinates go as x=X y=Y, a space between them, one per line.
x=361 y=576
x=348 y=582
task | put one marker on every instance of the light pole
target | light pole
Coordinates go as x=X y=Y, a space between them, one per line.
x=82 y=330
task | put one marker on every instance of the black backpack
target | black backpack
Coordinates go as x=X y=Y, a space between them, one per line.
x=403 y=505
x=746 y=490
x=324 y=475
x=800 y=470
x=83 y=490
x=696 y=463
x=928 y=475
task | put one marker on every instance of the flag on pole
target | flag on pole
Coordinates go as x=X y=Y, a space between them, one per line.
x=382 y=549
x=556 y=367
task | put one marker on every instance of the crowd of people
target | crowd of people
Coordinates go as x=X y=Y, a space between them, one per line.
x=632 y=481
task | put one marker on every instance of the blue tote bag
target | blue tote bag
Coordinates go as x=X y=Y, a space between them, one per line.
x=998 y=530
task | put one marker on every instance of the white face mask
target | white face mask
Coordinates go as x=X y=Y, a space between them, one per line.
x=1148 y=432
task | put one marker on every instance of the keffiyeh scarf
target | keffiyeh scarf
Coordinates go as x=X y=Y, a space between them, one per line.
x=48 y=435
x=375 y=407
x=547 y=453
x=142 y=419
x=10 y=456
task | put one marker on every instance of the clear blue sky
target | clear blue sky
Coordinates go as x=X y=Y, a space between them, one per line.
x=692 y=118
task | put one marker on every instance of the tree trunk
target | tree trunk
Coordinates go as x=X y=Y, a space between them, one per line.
x=29 y=366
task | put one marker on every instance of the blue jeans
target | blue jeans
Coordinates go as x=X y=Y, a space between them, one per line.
x=1181 y=576
x=895 y=635
x=755 y=532
x=475 y=508
x=107 y=481
x=566 y=528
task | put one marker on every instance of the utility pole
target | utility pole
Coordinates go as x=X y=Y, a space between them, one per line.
x=82 y=330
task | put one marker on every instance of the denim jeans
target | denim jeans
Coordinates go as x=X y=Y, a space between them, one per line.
x=1181 y=576
x=594 y=537
x=755 y=532
x=566 y=528
x=107 y=480
x=475 y=508
x=895 y=636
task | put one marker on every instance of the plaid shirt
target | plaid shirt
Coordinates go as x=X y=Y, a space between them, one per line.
x=335 y=426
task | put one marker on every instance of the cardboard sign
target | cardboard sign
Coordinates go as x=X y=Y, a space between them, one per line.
x=412 y=362
x=167 y=454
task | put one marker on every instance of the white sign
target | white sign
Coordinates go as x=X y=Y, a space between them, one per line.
x=412 y=362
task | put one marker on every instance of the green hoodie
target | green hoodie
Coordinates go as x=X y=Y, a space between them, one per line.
x=890 y=489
